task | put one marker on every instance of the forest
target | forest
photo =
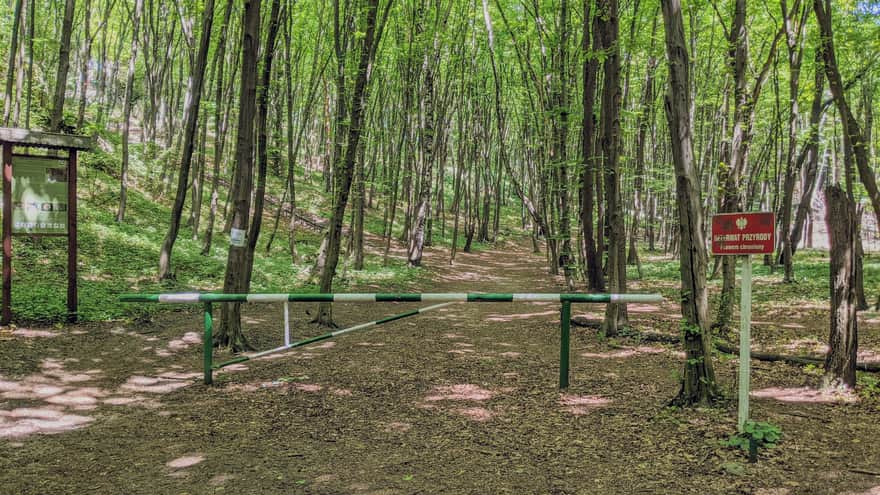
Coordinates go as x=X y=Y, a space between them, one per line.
x=447 y=146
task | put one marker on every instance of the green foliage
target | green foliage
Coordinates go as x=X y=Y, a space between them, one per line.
x=868 y=386
x=813 y=370
x=116 y=258
x=765 y=435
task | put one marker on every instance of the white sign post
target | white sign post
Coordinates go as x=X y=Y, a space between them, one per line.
x=744 y=234
x=745 y=343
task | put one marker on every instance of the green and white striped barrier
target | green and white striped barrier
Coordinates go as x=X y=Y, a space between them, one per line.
x=208 y=299
x=199 y=297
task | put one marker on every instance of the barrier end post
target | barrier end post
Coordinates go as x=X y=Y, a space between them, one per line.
x=208 y=344
x=564 y=343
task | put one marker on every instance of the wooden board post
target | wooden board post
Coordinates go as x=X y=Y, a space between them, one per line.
x=72 y=301
x=26 y=138
x=6 y=315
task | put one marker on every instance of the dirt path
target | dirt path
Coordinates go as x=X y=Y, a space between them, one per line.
x=463 y=400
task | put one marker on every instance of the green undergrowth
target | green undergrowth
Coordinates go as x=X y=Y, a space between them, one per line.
x=811 y=274
x=116 y=258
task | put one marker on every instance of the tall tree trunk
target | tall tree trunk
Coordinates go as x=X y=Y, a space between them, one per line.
x=56 y=118
x=126 y=107
x=810 y=153
x=558 y=142
x=345 y=171
x=84 y=67
x=236 y=279
x=698 y=380
x=31 y=15
x=263 y=91
x=851 y=127
x=10 y=67
x=642 y=122
x=593 y=266
x=615 y=314
x=730 y=176
x=417 y=237
x=221 y=120
x=840 y=362
x=794 y=28
x=189 y=137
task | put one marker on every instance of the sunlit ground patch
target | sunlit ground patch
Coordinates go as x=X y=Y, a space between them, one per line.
x=803 y=394
x=806 y=345
x=582 y=404
x=479 y=414
x=26 y=421
x=460 y=351
x=868 y=355
x=397 y=426
x=520 y=316
x=624 y=353
x=642 y=308
x=153 y=384
x=185 y=461
x=464 y=391
x=220 y=479
x=81 y=398
x=187 y=340
x=29 y=333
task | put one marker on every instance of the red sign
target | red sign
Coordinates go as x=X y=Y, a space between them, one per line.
x=743 y=233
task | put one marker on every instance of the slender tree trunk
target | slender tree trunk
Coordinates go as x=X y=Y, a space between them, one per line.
x=698 y=379
x=30 y=69
x=263 y=91
x=851 y=127
x=346 y=170
x=593 y=266
x=810 y=153
x=642 y=122
x=221 y=120
x=10 y=67
x=615 y=314
x=743 y=121
x=126 y=107
x=558 y=142
x=56 y=117
x=84 y=67
x=417 y=239
x=236 y=280
x=189 y=136
x=794 y=28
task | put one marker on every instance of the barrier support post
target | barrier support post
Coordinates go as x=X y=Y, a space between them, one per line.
x=208 y=344
x=564 y=343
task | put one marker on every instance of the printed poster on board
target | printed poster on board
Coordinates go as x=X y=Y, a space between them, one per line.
x=39 y=195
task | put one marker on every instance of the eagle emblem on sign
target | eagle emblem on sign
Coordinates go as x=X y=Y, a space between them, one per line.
x=741 y=223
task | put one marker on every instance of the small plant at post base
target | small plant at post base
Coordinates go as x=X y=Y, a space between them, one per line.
x=755 y=435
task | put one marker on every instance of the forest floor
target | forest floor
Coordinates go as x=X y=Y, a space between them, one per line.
x=461 y=400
